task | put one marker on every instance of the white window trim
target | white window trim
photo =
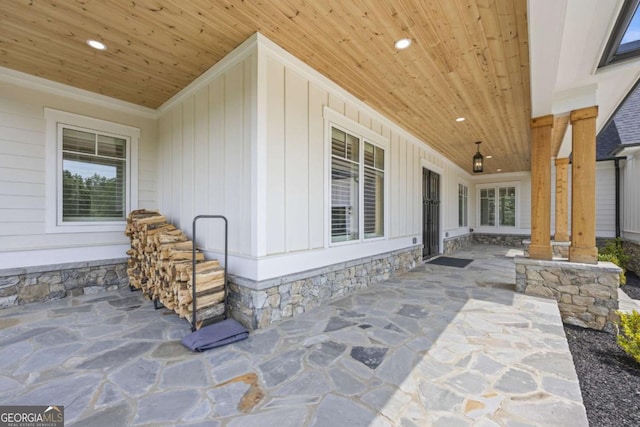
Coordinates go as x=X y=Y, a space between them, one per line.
x=466 y=184
x=335 y=119
x=498 y=227
x=53 y=161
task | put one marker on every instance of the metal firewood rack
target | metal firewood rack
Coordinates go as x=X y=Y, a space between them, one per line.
x=193 y=267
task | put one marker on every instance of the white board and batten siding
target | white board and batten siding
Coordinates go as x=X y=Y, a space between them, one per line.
x=24 y=240
x=206 y=156
x=261 y=118
x=300 y=107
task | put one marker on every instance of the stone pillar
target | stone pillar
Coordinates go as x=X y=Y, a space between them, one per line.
x=562 y=200
x=583 y=186
x=540 y=247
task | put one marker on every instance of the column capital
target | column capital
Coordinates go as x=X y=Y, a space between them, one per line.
x=541 y=121
x=562 y=161
x=584 y=113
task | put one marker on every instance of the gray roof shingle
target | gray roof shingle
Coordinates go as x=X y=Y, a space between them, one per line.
x=624 y=129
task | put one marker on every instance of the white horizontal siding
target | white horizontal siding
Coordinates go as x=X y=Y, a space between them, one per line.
x=23 y=211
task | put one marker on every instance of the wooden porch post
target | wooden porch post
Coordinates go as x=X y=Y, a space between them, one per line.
x=583 y=186
x=540 y=247
x=562 y=200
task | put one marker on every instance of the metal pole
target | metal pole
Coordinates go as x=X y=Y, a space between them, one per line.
x=193 y=266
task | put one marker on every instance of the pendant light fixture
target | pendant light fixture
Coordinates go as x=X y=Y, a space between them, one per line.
x=478 y=160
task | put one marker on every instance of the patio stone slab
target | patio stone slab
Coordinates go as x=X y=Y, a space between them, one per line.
x=371 y=357
x=340 y=411
x=109 y=417
x=325 y=353
x=345 y=383
x=137 y=377
x=191 y=373
x=281 y=368
x=313 y=383
x=291 y=417
x=165 y=406
x=516 y=381
x=116 y=357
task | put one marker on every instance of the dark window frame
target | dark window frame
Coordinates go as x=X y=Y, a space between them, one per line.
x=611 y=55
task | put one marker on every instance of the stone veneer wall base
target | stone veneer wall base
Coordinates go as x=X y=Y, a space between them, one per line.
x=48 y=282
x=259 y=304
x=510 y=240
x=587 y=294
x=452 y=244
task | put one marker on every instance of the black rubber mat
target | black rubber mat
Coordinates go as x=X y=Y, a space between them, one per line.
x=451 y=262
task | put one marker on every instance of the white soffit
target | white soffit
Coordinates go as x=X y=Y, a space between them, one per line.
x=546 y=27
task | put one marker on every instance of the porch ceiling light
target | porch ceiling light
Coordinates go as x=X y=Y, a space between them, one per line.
x=96 y=44
x=402 y=44
x=478 y=160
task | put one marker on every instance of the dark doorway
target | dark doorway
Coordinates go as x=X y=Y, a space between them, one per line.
x=430 y=213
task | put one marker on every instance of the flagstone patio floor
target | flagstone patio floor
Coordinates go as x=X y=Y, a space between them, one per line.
x=437 y=346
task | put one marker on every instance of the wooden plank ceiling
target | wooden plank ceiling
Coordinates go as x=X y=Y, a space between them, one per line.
x=469 y=58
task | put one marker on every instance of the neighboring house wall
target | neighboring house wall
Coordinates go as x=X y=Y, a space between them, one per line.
x=25 y=239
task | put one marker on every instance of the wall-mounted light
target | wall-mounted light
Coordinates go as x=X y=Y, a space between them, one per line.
x=478 y=160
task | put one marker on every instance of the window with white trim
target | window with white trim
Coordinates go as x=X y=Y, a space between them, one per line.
x=463 y=204
x=498 y=206
x=357 y=187
x=91 y=168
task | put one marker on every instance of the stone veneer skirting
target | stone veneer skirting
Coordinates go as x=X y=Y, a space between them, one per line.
x=558 y=249
x=587 y=294
x=259 y=304
x=511 y=240
x=453 y=244
x=42 y=283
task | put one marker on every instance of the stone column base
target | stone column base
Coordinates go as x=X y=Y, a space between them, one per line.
x=587 y=294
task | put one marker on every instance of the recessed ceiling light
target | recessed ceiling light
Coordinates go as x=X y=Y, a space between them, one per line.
x=96 y=44
x=489 y=156
x=402 y=43
x=460 y=119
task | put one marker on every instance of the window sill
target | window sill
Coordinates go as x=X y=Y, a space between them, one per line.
x=88 y=228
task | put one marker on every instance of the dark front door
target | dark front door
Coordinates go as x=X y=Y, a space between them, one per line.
x=430 y=213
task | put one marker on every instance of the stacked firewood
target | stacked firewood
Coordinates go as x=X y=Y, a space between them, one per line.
x=160 y=265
